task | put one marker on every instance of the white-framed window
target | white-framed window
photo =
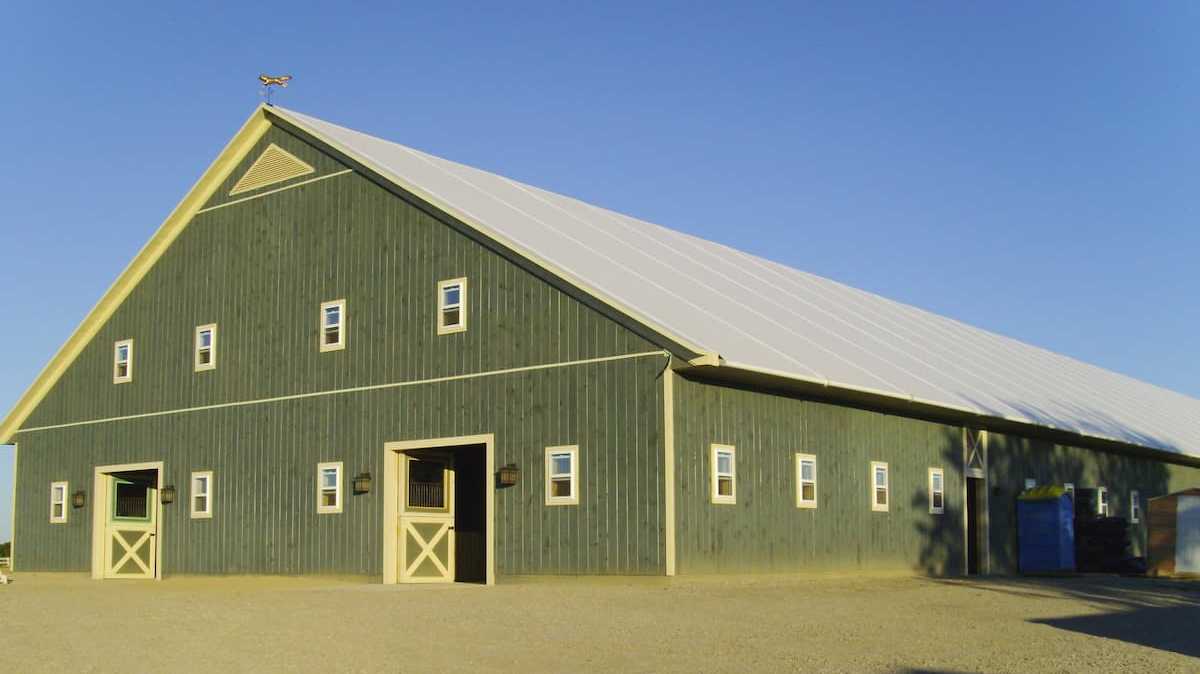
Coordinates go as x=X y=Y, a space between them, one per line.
x=329 y=487
x=1030 y=483
x=123 y=361
x=879 y=486
x=58 y=502
x=806 y=481
x=1135 y=507
x=937 y=491
x=206 y=347
x=452 y=306
x=1102 y=501
x=333 y=325
x=562 y=475
x=723 y=467
x=202 y=494
x=1069 y=487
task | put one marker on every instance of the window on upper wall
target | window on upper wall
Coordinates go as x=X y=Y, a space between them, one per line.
x=1070 y=489
x=937 y=491
x=202 y=494
x=1102 y=501
x=1030 y=483
x=1135 y=507
x=333 y=325
x=879 y=486
x=329 y=487
x=58 y=502
x=452 y=306
x=806 y=481
x=723 y=464
x=562 y=475
x=123 y=361
x=206 y=348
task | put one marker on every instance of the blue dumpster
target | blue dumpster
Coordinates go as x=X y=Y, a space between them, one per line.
x=1045 y=530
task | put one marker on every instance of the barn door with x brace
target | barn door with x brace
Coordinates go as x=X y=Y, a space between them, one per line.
x=426 y=522
x=130 y=528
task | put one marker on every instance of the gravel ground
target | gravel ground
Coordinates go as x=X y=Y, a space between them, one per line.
x=59 y=622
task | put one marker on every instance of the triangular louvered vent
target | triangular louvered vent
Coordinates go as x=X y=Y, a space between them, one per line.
x=275 y=165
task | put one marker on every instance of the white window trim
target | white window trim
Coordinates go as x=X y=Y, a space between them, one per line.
x=343 y=326
x=322 y=509
x=117 y=379
x=933 y=510
x=66 y=500
x=1030 y=483
x=1135 y=507
x=887 y=486
x=461 y=326
x=573 y=499
x=212 y=349
x=713 y=476
x=1102 y=505
x=208 y=501
x=801 y=502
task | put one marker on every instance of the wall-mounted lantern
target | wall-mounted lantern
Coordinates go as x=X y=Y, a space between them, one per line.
x=167 y=495
x=362 y=483
x=510 y=474
x=79 y=499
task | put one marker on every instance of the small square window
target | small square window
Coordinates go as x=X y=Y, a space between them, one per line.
x=1030 y=483
x=202 y=494
x=333 y=325
x=879 y=486
x=58 y=502
x=562 y=475
x=937 y=491
x=1135 y=507
x=806 y=481
x=723 y=464
x=452 y=306
x=123 y=361
x=329 y=487
x=206 y=348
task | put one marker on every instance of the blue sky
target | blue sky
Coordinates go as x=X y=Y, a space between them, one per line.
x=1025 y=168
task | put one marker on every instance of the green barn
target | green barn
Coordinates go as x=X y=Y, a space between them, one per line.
x=342 y=355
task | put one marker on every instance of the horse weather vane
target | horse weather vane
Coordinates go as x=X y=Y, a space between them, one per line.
x=269 y=81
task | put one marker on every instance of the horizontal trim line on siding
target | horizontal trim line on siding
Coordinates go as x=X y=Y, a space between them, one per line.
x=355 y=389
x=277 y=189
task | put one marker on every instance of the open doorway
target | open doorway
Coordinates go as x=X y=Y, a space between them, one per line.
x=126 y=523
x=438 y=511
x=976 y=525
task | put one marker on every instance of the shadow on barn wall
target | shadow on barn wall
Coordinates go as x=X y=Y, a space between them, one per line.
x=1012 y=459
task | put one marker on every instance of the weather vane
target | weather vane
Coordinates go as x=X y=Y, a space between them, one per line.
x=269 y=81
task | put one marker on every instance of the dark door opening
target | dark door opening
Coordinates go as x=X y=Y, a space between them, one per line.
x=470 y=515
x=975 y=494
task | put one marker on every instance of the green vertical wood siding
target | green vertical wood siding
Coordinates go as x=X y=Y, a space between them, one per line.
x=765 y=531
x=260 y=269
x=264 y=460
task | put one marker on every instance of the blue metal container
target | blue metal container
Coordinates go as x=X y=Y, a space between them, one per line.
x=1046 y=530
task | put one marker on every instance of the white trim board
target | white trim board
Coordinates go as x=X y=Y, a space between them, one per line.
x=355 y=389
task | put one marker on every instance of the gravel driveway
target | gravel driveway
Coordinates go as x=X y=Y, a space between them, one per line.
x=58 y=622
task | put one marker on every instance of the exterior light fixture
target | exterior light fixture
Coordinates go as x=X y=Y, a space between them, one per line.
x=510 y=474
x=167 y=495
x=362 y=483
x=79 y=499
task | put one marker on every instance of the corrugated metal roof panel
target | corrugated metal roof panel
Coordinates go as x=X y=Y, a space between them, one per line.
x=766 y=316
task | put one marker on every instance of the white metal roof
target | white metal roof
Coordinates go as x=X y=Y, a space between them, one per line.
x=765 y=316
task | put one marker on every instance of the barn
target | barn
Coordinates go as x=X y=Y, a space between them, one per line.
x=340 y=355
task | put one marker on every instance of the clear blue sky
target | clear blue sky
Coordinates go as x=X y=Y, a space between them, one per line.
x=1026 y=168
